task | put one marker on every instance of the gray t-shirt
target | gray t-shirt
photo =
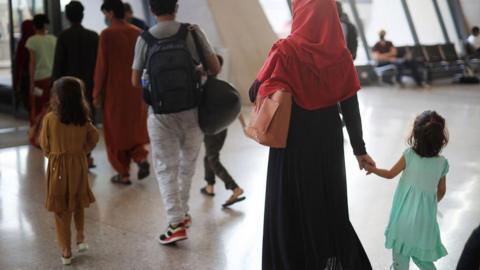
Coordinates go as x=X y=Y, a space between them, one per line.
x=167 y=29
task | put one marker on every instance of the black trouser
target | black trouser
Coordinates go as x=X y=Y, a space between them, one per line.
x=413 y=66
x=213 y=145
x=470 y=258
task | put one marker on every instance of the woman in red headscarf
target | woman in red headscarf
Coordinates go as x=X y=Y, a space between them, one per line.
x=307 y=224
x=21 y=80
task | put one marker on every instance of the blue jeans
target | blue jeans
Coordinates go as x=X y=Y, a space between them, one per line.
x=401 y=262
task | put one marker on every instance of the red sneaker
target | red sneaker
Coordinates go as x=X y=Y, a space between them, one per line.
x=173 y=234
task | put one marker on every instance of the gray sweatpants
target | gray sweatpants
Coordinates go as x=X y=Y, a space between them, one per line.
x=175 y=140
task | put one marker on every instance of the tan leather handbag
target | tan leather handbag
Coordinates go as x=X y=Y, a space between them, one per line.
x=270 y=119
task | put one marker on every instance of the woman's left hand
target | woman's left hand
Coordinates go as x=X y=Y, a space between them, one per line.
x=363 y=160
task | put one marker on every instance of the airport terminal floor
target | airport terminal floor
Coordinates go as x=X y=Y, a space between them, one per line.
x=122 y=226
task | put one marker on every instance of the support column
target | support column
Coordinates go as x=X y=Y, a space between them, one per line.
x=441 y=21
x=411 y=25
x=458 y=18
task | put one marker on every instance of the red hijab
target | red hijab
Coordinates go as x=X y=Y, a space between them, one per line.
x=313 y=62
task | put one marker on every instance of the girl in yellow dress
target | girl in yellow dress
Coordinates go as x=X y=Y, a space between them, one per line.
x=67 y=136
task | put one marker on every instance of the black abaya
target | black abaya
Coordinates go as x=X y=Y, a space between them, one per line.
x=307 y=223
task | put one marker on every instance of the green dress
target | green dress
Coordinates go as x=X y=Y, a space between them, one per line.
x=413 y=229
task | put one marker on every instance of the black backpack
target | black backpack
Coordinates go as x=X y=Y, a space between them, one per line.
x=352 y=39
x=175 y=83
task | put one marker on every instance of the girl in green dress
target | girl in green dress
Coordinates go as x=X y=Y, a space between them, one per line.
x=413 y=231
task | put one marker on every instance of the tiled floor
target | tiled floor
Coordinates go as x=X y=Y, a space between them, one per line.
x=123 y=224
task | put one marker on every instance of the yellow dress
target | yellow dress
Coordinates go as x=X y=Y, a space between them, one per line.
x=66 y=147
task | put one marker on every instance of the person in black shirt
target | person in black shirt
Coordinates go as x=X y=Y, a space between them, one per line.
x=76 y=53
x=132 y=19
x=385 y=53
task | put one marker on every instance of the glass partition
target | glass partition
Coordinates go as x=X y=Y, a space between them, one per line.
x=5 y=71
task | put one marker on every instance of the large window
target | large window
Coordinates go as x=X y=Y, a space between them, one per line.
x=426 y=21
x=21 y=10
x=391 y=16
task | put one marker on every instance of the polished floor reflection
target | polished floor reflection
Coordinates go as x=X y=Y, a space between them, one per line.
x=123 y=224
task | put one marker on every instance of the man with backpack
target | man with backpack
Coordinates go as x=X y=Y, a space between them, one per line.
x=349 y=31
x=167 y=64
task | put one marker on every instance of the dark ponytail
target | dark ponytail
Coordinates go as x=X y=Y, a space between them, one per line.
x=429 y=135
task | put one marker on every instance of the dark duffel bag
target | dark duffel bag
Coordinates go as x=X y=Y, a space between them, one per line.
x=219 y=107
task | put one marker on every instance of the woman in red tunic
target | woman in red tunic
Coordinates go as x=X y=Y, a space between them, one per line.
x=124 y=112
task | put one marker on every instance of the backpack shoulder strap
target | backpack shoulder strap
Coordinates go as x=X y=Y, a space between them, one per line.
x=183 y=31
x=149 y=38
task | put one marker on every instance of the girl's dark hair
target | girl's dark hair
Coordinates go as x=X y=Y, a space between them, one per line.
x=69 y=101
x=429 y=134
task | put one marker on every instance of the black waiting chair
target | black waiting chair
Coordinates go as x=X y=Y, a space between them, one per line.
x=403 y=52
x=449 y=53
x=418 y=53
x=435 y=65
x=433 y=53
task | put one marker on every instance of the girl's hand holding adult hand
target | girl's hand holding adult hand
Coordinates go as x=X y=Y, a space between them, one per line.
x=369 y=168
x=363 y=160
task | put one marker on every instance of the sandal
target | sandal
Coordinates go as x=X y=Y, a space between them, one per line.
x=235 y=198
x=82 y=247
x=117 y=179
x=233 y=201
x=206 y=193
x=143 y=170
x=66 y=261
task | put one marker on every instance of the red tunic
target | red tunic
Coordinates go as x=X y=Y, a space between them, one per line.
x=124 y=111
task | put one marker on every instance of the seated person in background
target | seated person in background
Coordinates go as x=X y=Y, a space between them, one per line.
x=385 y=53
x=473 y=42
x=132 y=19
